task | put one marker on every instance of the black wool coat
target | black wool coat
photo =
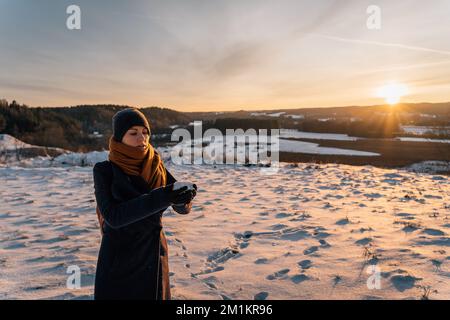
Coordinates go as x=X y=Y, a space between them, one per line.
x=133 y=257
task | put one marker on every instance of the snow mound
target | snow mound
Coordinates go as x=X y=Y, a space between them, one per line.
x=8 y=142
x=430 y=167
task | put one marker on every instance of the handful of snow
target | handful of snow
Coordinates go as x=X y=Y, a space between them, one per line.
x=178 y=185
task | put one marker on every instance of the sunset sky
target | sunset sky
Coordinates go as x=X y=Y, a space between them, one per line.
x=225 y=55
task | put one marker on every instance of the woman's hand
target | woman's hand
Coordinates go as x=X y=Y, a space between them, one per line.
x=180 y=196
x=185 y=208
x=194 y=193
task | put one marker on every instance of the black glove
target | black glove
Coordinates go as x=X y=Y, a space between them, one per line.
x=180 y=196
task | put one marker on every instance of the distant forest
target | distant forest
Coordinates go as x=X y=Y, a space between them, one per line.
x=73 y=128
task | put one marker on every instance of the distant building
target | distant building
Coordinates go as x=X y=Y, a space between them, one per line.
x=325 y=119
x=425 y=115
x=295 y=116
x=95 y=134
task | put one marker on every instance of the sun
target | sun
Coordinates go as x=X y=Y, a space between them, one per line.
x=392 y=92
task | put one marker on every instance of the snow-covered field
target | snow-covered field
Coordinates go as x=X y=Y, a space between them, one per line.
x=286 y=133
x=421 y=130
x=285 y=144
x=307 y=232
x=412 y=139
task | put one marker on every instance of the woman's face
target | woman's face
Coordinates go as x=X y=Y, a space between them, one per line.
x=136 y=136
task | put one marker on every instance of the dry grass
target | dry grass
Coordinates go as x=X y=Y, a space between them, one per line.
x=426 y=292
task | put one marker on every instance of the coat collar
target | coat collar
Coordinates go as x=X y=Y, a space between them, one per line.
x=125 y=186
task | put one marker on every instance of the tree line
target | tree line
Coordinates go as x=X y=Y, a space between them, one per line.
x=73 y=128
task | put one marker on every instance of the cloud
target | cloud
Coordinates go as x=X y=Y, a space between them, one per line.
x=384 y=44
x=239 y=58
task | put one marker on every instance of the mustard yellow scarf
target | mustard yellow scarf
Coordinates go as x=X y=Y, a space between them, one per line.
x=135 y=161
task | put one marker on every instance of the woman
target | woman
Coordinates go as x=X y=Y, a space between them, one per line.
x=132 y=190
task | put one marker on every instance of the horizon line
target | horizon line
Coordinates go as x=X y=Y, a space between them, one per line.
x=235 y=110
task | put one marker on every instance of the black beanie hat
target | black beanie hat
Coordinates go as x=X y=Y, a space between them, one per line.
x=125 y=119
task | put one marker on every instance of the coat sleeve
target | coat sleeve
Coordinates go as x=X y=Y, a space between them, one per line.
x=181 y=209
x=120 y=214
